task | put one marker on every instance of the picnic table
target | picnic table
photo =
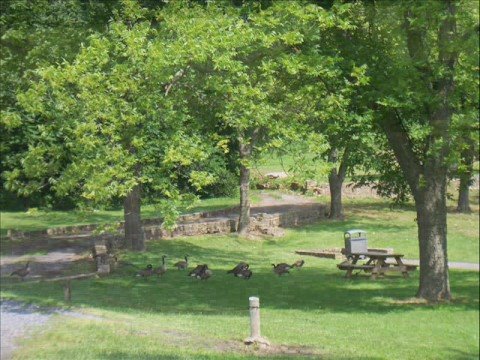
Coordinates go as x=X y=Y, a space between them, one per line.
x=376 y=264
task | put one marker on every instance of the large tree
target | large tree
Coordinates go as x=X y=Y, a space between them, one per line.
x=416 y=49
x=267 y=73
x=110 y=111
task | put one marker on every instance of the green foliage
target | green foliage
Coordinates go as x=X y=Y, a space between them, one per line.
x=36 y=34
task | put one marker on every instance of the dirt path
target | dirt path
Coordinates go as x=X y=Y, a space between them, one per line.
x=54 y=263
x=451 y=265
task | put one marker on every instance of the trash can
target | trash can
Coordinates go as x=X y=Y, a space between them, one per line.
x=355 y=241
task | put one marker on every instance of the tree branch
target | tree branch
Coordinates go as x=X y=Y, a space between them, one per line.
x=178 y=75
x=403 y=149
x=342 y=170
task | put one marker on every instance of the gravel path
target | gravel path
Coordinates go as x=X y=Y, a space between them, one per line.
x=18 y=320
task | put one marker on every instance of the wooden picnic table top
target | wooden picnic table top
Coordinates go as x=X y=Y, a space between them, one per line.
x=377 y=254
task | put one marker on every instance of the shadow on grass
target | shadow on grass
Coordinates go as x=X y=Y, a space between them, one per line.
x=311 y=288
x=225 y=356
x=339 y=226
x=462 y=355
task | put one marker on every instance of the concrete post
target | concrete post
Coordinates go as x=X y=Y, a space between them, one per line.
x=254 y=316
x=255 y=337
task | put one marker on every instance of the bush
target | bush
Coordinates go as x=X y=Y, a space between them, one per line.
x=227 y=185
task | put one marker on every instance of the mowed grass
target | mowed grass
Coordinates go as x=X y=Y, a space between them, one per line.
x=313 y=313
x=395 y=228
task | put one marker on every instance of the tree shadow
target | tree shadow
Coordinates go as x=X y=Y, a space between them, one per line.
x=340 y=226
x=245 y=355
x=305 y=289
x=462 y=355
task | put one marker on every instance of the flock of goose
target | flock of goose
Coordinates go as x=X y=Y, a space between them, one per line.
x=202 y=272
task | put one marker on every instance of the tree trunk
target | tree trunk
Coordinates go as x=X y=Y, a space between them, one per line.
x=463 y=205
x=335 y=181
x=465 y=176
x=134 y=236
x=244 y=219
x=336 y=206
x=430 y=203
x=427 y=182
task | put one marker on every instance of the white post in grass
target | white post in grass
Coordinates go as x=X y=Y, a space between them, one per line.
x=255 y=337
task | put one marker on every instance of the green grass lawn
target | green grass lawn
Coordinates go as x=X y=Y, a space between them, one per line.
x=314 y=310
x=314 y=313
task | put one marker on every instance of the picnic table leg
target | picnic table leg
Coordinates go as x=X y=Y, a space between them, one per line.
x=382 y=265
x=375 y=270
x=348 y=275
x=402 y=266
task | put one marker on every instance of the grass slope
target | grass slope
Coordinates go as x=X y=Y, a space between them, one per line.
x=386 y=227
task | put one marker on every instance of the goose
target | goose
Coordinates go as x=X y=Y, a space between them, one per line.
x=298 y=264
x=148 y=271
x=205 y=273
x=182 y=265
x=197 y=270
x=281 y=269
x=244 y=273
x=162 y=269
x=22 y=272
x=240 y=266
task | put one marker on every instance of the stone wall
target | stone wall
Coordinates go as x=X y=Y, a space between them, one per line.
x=260 y=223
x=265 y=220
x=212 y=226
x=266 y=223
x=57 y=231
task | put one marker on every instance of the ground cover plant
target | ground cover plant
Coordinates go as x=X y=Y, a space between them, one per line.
x=311 y=313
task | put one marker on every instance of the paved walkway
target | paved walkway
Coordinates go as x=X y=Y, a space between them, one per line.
x=451 y=265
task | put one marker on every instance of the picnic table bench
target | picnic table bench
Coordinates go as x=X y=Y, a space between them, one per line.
x=376 y=264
